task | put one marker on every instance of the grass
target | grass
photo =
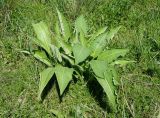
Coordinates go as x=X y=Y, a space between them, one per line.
x=138 y=94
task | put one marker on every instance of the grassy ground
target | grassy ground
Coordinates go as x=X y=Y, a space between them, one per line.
x=139 y=92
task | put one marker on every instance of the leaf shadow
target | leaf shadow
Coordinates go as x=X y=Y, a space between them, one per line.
x=48 y=88
x=96 y=91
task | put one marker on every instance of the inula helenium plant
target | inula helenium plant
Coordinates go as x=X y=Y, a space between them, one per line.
x=70 y=54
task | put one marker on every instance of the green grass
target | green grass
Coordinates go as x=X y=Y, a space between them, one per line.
x=138 y=94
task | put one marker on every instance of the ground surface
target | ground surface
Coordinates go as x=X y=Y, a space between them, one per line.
x=139 y=92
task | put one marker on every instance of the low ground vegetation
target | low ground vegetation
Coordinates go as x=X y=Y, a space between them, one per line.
x=138 y=92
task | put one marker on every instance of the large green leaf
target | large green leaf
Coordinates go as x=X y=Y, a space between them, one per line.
x=109 y=88
x=98 y=67
x=64 y=76
x=43 y=36
x=45 y=76
x=80 y=53
x=64 y=26
x=98 y=45
x=41 y=55
x=111 y=55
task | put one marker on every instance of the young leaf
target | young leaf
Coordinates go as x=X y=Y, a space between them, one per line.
x=64 y=26
x=112 y=32
x=80 y=53
x=81 y=29
x=98 y=45
x=109 y=88
x=111 y=55
x=45 y=76
x=56 y=53
x=41 y=55
x=64 y=76
x=98 y=67
x=43 y=36
x=81 y=25
x=66 y=47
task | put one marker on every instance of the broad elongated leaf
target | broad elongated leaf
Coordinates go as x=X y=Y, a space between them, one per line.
x=41 y=55
x=56 y=53
x=45 y=76
x=64 y=26
x=98 y=44
x=109 y=88
x=98 y=67
x=43 y=36
x=81 y=29
x=112 y=32
x=111 y=55
x=80 y=53
x=64 y=76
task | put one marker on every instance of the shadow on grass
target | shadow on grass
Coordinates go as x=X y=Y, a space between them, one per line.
x=97 y=92
x=51 y=83
x=48 y=88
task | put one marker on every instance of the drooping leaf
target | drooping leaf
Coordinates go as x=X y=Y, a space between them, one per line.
x=56 y=53
x=98 y=45
x=64 y=26
x=98 y=67
x=64 y=76
x=81 y=25
x=43 y=36
x=111 y=55
x=80 y=53
x=112 y=32
x=41 y=55
x=45 y=76
x=109 y=88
